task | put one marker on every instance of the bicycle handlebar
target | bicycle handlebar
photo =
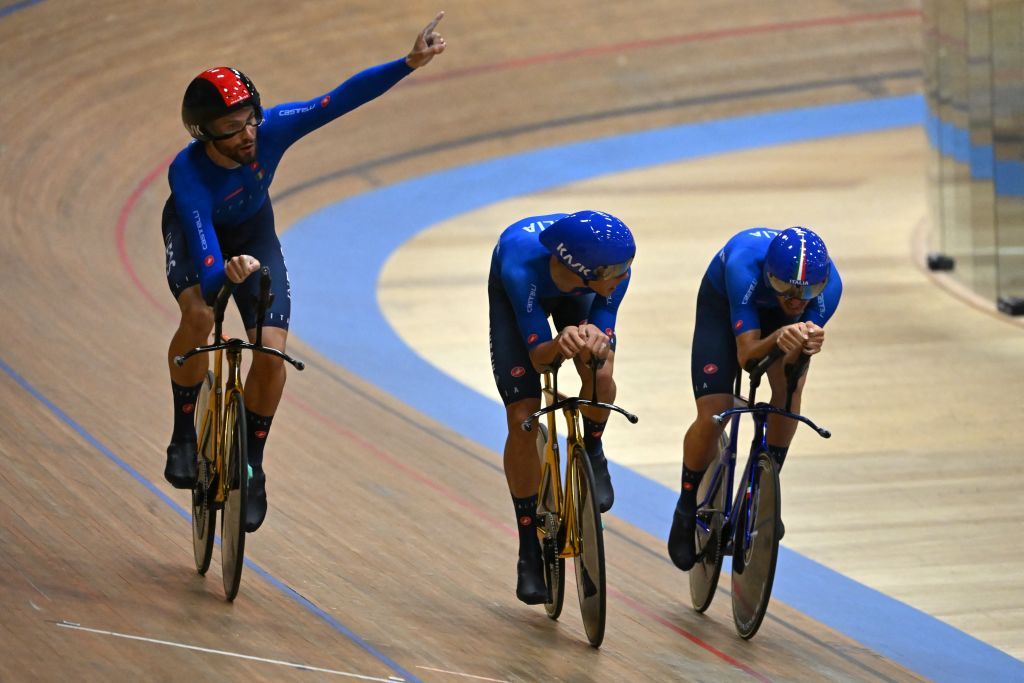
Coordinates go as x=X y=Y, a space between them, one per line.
x=220 y=302
x=594 y=363
x=768 y=408
x=263 y=302
x=574 y=402
x=755 y=368
x=239 y=344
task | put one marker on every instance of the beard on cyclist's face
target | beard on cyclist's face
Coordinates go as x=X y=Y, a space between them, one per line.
x=240 y=147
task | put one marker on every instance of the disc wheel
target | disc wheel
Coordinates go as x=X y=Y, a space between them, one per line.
x=204 y=517
x=756 y=549
x=590 y=576
x=236 y=474
x=709 y=535
x=547 y=523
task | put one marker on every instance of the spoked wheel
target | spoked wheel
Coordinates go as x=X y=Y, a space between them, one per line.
x=236 y=473
x=204 y=517
x=590 y=577
x=756 y=549
x=709 y=538
x=547 y=519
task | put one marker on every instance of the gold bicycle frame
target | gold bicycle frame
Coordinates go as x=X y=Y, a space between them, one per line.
x=219 y=394
x=564 y=493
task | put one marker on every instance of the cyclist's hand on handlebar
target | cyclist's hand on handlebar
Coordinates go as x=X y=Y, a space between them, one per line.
x=572 y=340
x=240 y=267
x=793 y=337
x=815 y=339
x=597 y=342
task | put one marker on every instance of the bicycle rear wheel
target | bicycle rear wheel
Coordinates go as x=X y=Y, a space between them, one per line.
x=756 y=548
x=704 y=574
x=547 y=522
x=236 y=474
x=204 y=517
x=590 y=576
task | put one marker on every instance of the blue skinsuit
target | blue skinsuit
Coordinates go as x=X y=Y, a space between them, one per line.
x=218 y=210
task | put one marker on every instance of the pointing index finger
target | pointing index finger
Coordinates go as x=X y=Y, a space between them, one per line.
x=432 y=25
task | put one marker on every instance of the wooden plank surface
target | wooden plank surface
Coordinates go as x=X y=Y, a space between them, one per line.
x=382 y=557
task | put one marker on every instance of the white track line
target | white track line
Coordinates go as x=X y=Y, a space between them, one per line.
x=456 y=673
x=293 y=665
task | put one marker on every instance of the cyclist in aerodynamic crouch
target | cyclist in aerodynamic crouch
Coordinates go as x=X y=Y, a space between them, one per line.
x=574 y=268
x=765 y=288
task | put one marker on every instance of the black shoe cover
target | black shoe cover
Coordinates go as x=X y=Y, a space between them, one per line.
x=681 y=541
x=530 y=584
x=256 y=501
x=604 y=493
x=180 y=469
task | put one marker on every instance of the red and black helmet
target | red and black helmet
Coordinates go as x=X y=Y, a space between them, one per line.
x=214 y=93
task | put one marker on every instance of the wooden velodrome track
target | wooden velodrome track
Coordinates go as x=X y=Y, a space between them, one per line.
x=389 y=549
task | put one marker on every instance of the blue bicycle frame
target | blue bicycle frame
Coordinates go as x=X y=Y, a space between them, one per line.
x=726 y=462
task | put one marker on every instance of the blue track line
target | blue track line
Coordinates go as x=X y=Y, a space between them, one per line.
x=11 y=9
x=184 y=514
x=338 y=252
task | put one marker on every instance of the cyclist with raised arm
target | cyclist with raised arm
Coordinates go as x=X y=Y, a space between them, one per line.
x=764 y=289
x=219 y=224
x=574 y=268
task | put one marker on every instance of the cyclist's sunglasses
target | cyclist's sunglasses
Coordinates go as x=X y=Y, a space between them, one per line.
x=788 y=291
x=254 y=121
x=611 y=272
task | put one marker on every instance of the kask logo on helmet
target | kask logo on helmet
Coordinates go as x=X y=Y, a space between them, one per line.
x=570 y=262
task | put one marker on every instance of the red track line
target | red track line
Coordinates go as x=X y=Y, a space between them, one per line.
x=122 y=226
x=666 y=40
x=450 y=495
x=129 y=204
x=650 y=614
x=144 y=184
x=397 y=463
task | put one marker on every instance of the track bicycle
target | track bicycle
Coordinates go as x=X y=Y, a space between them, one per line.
x=749 y=526
x=568 y=518
x=222 y=469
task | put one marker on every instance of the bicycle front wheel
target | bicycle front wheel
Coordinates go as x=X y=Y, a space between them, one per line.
x=547 y=523
x=236 y=476
x=204 y=517
x=590 y=576
x=757 y=548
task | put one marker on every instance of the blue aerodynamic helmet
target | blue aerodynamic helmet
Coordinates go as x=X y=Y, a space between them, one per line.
x=592 y=244
x=797 y=265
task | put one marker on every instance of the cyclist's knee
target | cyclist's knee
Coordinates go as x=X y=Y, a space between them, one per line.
x=710 y=405
x=516 y=413
x=264 y=364
x=196 y=317
x=605 y=383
